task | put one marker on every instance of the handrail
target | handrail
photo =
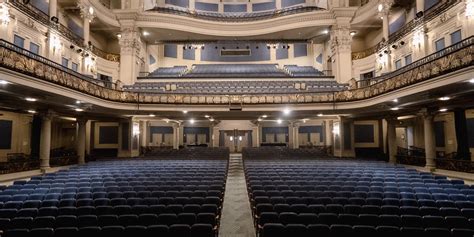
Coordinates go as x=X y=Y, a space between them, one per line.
x=432 y=57
x=365 y=53
x=43 y=18
x=215 y=16
x=48 y=62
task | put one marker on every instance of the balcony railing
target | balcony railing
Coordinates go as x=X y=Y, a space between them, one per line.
x=465 y=44
x=253 y=16
x=446 y=61
x=47 y=62
x=43 y=18
x=366 y=53
x=455 y=164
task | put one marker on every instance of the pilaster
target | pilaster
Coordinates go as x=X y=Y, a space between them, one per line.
x=130 y=46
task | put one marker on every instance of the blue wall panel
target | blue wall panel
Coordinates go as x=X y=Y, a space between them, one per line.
x=204 y=6
x=274 y=130
x=108 y=135
x=289 y=3
x=397 y=24
x=235 y=7
x=189 y=54
x=300 y=50
x=196 y=131
x=6 y=134
x=75 y=28
x=42 y=5
x=312 y=129
x=179 y=3
x=171 y=51
x=281 y=53
x=364 y=133
x=210 y=53
x=264 y=6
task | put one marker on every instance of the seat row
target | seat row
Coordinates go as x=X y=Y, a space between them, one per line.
x=176 y=230
x=106 y=220
x=108 y=210
x=280 y=230
x=129 y=191
x=298 y=191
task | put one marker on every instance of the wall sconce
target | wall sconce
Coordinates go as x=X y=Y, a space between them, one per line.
x=335 y=129
x=55 y=43
x=55 y=19
x=4 y=14
x=136 y=129
x=417 y=38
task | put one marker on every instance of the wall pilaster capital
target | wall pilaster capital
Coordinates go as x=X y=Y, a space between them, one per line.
x=340 y=39
x=129 y=40
x=384 y=7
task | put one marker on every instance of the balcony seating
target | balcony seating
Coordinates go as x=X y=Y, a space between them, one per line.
x=302 y=71
x=238 y=87
x=175 y=71
x=135 y=197
x=337 y=197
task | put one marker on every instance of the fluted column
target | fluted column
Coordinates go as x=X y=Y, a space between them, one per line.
x=392 y=139
x=429 y=136
x=81 y=141
x=181 y=135
x=87 y=14
x=130 y=46
x=45 y=141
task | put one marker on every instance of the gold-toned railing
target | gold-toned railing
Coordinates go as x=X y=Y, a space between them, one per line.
x=365 y=53
x=455 y=57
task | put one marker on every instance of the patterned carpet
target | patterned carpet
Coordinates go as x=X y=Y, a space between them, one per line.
x=236 y=220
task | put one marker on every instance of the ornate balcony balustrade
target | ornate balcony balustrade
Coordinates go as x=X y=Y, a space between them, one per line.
x=452 y=58
x=43 y=18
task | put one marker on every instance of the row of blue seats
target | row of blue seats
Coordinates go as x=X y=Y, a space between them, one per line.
x=364 y=209
x=364 y=187
x=106 y=220
x=110 y=210
x=176 y=230
x=69 y=188
x=109 y=195
x=280 y=230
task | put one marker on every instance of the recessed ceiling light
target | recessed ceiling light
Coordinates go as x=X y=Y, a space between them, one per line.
x=3 y=82
x=211 y=119
x=151 y=115
x=352 y=33
x=146 y=33
x=304 y=120
x=264 y=116
x=78 y=109
x=30 y=99
x=325 y=32
x=185 y=111
x=395 y=108
x=279 y=121
x=472 y=81
x=191 y=121
x=78 y=102
x=444 y=98
x=259 y=119
x=320 y=115
x=31 y=111
x=206 y=116
x=395 y=100
x=443 y=110
x=286 y=111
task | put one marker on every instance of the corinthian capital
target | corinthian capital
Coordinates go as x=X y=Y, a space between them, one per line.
x=384 y=7
x=87 y=11
x=340 y=38
x=129 y=40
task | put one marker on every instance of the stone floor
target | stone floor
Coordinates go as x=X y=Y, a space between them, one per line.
x=236 y=220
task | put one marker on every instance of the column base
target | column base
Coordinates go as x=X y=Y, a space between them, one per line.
x=431 y=168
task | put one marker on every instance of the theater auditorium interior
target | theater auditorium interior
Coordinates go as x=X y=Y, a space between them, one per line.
x=236 y=118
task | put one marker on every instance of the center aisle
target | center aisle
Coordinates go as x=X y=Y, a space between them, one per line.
x=236 y=220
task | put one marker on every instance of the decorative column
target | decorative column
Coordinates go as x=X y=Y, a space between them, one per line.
x=181 y=135
x=420 y=6
x=328 y=139
x=429 y=136
x=296 y=137
x=45 y=141
x=291 y=135
x=392 y=139
x=143 y=135
x=176 y=131
x=384 y=13
x=130 y=45
x=341 y=41
x=53 y=8
x=87 y=14
x=81 y=140
x=278 y=4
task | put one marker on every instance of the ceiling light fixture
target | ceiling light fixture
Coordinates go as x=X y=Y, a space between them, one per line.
x=78 y=109
x=264 y=116
x=320 y=115
x=146 y=33
x=191 y=121
x=78 y=102
x=279 y=121
x=325 y=32
x=151 y=115
x=395 y=108
x=31 y=111
x=3 y=82
x=259 y=119
x=206 y=116
x=395 y=100
x=443 y=110
x=211 y=119
x=185 y=111
x=352 y=33
x=29 y=99
x=444 y=98
x=286 y=111
x=472 y=81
